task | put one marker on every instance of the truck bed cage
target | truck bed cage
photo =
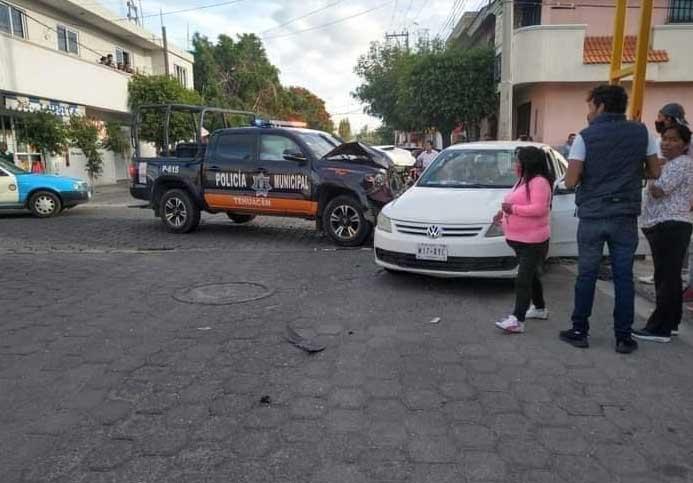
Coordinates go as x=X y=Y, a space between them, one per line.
x=198 y=113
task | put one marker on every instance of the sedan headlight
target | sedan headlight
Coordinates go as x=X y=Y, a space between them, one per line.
x=80 y=186
x=495 y=230
x=384 y=223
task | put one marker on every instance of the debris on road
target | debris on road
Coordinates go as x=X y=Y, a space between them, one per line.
x=308 y=345
x=204 y=328
x=434 y=320
x=265 y=400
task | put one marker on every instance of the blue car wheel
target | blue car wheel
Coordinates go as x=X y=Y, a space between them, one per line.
x=45 y=204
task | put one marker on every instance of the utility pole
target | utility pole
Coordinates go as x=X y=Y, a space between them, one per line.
x=404 y=34
x=167 y=68
x=505 y=118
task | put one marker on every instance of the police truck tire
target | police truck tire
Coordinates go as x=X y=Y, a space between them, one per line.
x=236 y=218
x=344 y=223
x=44 y=204
x=178 y=211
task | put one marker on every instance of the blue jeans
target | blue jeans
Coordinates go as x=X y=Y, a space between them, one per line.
x=621 y=236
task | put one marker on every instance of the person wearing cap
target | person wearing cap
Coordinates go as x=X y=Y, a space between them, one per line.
x=667 y=116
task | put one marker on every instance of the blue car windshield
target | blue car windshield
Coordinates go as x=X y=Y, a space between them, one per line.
x=11 y=167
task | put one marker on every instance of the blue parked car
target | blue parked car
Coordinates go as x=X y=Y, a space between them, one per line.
x=44 y=194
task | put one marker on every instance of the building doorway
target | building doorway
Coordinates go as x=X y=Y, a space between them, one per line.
x=524 y=120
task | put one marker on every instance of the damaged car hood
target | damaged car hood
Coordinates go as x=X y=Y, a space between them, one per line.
x=356 y=152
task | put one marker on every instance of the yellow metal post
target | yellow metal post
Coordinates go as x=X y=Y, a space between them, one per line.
x=641 y=51
x=618 y=40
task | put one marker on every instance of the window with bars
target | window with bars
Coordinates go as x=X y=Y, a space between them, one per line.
x=181 y=75
x=123 y=58
x=680 y=11
x=12 y=20
x=68 y=40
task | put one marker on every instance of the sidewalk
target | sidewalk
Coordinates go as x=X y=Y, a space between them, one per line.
x=113 y=195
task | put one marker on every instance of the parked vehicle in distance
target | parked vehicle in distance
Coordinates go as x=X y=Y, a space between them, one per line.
x=260 y=169
x=45 y=195
x=402 y=158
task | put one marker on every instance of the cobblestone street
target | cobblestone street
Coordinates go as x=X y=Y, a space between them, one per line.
x=107 y=376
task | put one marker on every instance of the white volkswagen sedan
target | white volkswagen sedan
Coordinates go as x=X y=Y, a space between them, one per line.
x=443 y=225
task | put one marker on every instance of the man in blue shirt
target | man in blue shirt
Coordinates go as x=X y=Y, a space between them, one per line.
x=607 y=162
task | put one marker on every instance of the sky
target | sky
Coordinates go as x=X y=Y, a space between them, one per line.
x=321 y=59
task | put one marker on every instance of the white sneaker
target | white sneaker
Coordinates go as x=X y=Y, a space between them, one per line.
x=535 y=313
x=511 y=325
x=648 y=280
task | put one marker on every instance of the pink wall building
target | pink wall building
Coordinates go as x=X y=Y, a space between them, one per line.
x=561 y=50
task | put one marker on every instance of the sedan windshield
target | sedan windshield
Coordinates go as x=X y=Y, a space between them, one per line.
x=11 y=167
x=319 y=143
x=467 y=168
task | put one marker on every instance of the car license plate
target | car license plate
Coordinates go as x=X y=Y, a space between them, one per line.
x=427 y=251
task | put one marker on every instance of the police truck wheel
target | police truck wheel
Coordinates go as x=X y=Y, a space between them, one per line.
x=344 y=223
x=179 y=212
x=236 y=218
x=45 y=204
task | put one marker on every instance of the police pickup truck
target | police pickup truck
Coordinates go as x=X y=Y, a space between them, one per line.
x=259 y=169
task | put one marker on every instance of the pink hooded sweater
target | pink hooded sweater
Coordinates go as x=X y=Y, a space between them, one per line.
x=529 y=221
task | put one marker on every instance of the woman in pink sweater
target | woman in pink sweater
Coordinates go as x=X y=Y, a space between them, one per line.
x=525 y=214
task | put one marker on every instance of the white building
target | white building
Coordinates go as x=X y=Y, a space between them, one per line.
x=50 y=59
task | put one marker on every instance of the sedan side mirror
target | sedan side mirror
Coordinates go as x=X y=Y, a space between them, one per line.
x=294 y=156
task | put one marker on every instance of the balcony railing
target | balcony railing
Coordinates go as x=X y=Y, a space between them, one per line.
x=680 y=11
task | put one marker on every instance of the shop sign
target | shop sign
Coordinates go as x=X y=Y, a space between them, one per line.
x=35 y=104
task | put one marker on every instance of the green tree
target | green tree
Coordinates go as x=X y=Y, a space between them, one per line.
x=116 y=139
x=237 y=74
x=45 y=131
x=385 y=71
x=344 y=129
x=302 y=105
x=452 y=87
x=162 y=89
x=84 y=135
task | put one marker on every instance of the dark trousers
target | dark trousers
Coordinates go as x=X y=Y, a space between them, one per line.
x=528 y=287
x=669 y=243
x=620 y=234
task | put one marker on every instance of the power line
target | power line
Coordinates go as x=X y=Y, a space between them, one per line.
x=406 y=14
x=183 y=10
x=302 y=16
x=317 y=27
x=392 y=17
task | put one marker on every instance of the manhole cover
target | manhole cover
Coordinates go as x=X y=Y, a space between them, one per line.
x=223 y=293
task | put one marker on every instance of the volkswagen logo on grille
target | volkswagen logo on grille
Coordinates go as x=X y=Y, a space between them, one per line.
x=433 y=231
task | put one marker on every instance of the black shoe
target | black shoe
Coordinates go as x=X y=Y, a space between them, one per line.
x=574 y=338
x=626 y=346
x=644 y=334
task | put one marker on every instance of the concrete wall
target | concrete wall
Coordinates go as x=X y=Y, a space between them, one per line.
x=99 y=43
x=599 y=16
x=114 y=166
x=554 y=53
x=35 y=70
x=561 y=108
